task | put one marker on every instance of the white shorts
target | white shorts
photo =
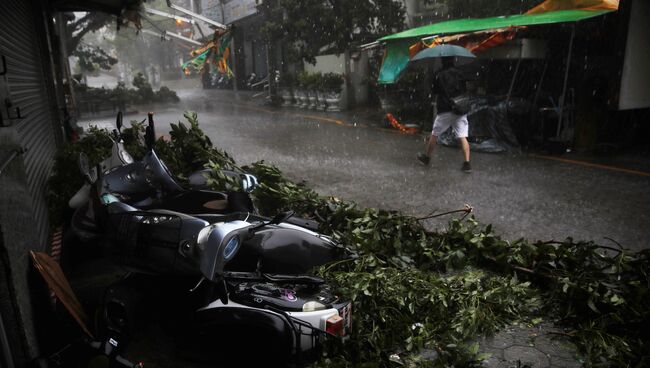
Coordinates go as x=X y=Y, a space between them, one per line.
x=458 y=123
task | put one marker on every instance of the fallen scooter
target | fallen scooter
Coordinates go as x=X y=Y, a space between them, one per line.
x=131 y=183
x=254 y=271
x=205 y=255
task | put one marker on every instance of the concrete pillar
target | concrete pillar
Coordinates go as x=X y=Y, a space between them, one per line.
x=349 y=83
x=412 y=8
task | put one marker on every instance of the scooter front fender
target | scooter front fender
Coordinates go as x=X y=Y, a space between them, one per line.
x=293 y=251
x=80 y=198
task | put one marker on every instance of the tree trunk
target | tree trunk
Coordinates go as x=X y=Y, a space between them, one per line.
x=271 y=66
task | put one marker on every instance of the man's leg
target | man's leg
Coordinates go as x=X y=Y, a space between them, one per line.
x=464 y=145
x=431 y=145
x=461 y=129
x=441 y=124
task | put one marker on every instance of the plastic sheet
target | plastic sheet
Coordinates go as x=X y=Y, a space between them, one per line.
x=490 y=129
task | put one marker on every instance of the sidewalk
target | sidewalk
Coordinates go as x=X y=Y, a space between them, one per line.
x=636 y=163
x=534 y=347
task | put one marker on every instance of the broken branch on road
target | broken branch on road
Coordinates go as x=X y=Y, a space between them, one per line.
x=467 y=209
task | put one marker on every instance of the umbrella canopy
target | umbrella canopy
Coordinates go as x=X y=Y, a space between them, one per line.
x=441 y=51
x=431 y=58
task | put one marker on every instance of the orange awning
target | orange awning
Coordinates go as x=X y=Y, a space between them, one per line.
x=499 y=36
x=474 y=41
x=554 y=5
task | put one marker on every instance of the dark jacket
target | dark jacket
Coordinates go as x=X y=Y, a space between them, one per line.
x=447 y=84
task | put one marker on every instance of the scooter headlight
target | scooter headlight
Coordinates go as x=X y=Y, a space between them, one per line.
x=231 y=248
x=313 y=306
x=126 y=158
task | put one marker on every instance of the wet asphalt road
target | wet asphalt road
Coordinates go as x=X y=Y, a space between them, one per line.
x=521 y=195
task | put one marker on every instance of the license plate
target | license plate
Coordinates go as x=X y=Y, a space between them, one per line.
x=345 y=312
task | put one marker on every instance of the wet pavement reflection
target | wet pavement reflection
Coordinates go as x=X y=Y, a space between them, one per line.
x=351 y=158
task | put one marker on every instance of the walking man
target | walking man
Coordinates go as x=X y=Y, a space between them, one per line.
x=447 y=84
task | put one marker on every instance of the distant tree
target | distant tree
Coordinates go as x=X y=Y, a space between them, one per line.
x=139 y=50
x=485 y=8
x=90 y=57
x=310 y=27
x=77 y=28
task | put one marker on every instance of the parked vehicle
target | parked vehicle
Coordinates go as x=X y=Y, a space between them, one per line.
x=253 y=273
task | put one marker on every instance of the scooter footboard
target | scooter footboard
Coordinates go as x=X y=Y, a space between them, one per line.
x=220 y=332
x=148 y=241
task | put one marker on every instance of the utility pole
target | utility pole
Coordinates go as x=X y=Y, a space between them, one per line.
x=269 y=9
x=271 y=66
x=233 y=50
x=71 y=102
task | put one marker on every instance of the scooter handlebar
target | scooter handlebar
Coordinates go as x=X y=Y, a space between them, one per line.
x=109 y=348
x=121 y=362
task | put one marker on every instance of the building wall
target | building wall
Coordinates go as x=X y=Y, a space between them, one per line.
x=327 y=64
x=421 y=12
x=250 y=52
x=24 y=226
x=355 y=90
x=331 y=64
x=360 y=72
x=635 y=81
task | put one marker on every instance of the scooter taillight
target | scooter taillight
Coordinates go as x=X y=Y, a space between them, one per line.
x=334 y=326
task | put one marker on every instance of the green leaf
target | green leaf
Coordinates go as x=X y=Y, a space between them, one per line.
x=483 y=356
x=473 y=349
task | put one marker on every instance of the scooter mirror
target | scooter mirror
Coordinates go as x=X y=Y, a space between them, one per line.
x=249 y=182
x=84 y=168
x=150 y=119
x=150 y=133
x=118 y=121
x=281 y=217
x=149 y=138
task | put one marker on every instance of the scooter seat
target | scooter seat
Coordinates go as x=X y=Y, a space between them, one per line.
x=217 y=204
x=119 y=207
x=297 y=279
x=193 y=202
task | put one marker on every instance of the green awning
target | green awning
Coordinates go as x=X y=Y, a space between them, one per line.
x=480 y=24
x=395 y=60
x=397 y=45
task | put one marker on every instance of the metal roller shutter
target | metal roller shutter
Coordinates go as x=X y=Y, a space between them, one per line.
x=21 y=43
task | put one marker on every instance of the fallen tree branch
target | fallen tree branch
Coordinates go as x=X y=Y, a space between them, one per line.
x=467 y=210
x=620 y=247
x=566 y=334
